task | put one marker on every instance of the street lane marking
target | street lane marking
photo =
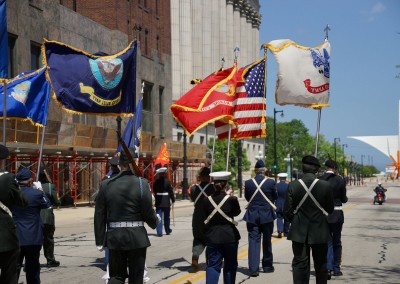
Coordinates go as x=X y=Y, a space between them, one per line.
x=243 y=253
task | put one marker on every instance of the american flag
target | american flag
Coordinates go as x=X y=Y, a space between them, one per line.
x=250 y=106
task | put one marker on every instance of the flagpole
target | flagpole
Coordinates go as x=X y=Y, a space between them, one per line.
x=40 y=153
x=213 y=149
x=326 y=30
x=229 y=143
x=4 y=81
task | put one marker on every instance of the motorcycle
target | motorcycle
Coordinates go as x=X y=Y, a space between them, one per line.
x=379 y=198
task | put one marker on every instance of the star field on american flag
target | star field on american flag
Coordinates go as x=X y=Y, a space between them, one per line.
x=255 y=80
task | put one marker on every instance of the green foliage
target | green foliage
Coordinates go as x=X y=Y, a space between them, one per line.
x=369 y=171
x=221 y=147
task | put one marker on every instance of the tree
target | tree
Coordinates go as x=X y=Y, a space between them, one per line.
x=221 y=147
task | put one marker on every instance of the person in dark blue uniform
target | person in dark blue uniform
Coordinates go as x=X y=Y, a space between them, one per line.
x=222 y=236
x=336 y=219
x=281 y=189
x=198 y=193
x=30 y=226
x=48 y=220
x=261 y=194
x=308 y=203
x=10 y=196
x=164 y=195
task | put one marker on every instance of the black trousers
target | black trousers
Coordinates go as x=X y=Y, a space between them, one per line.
x=8 y=267
x=48 y=242
x=31 y=254
x=120 y=260
x=301 y=262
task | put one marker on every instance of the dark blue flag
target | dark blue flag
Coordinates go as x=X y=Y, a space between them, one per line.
x=138 y=124
x=127 y=136
x=28 y=97
x=3 y=41
x=87 y=83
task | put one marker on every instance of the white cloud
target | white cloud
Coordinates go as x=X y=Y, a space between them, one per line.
x=378 y=8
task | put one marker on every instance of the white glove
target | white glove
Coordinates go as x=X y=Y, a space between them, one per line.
x=158 y=219
x=37 y=184
x=99 y=248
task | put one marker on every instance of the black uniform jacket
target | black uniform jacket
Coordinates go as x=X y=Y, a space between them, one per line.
x=198 y=218
x=47 y=215
x=339 y=195
x=121 y=199
x=10 y=196
x=163 y=192
x=219 y=230
x=309 y=224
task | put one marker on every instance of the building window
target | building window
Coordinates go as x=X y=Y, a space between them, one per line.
x=161 y=108
x=147 y=114
x=12 y=56
x=157 y=12
x=179 y=137
x=191 y=139
x=201 y=139
x=36 y=56
x=74 y=5
x=146 y=42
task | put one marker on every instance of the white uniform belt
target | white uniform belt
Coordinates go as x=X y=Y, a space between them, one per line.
x=338 y=208
x=126 y=224
x=162 y=193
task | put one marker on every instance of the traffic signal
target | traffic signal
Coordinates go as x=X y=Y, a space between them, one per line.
x=274 y=166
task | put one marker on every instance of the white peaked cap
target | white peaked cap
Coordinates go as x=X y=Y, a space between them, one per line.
x=161 y=170
x=220 y=175
x=282 y=175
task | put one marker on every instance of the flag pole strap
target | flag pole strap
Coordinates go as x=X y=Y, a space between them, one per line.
x=4 y=81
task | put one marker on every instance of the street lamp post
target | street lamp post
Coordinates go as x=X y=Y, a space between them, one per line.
x=334 y=142
x=275 y=154
x=362 y=168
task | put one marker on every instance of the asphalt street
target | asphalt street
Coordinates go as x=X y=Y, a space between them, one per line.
x=371 y=251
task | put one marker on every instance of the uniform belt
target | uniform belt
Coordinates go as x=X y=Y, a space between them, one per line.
x=338 y=208
x=162 y=193
x=126 y=224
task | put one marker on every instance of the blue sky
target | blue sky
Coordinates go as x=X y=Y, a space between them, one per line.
x=365 y=49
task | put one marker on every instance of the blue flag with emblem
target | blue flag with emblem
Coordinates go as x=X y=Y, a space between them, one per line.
x=127 y=136
x=3 y=41
x=138 y=124
x=92 y=84
x=28 y=97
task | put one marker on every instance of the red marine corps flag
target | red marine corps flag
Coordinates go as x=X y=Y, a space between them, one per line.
x=303 y=73
x=163 y=156
x=210 y=100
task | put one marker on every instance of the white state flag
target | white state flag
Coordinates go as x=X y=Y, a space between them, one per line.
x=303 y=73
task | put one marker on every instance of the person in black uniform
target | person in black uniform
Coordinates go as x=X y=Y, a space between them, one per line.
x=10 y=196
x=260 y=192
x=222 y=236
x=30 y=226
x=123 y=205
x=281 y=189
x=164 y=195
x=198 y=193
x=336 y=219
x=307 y=204
x=48 y=220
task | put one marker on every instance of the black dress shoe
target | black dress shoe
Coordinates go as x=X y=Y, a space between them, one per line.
x=329 y=275
x=169 y=232
x=254 y=274
x=338 y=273
x=53 y=263
x=268 y=269
x=279 y=235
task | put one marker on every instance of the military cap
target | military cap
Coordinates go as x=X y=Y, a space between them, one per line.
x=331 y=164
x=23 y=174
x=114 y=161
x=3 y=152
x=311 y=160
x=124 y=158
x=161 y=170
x=220 y=176
x=282 y=175
x=260 y=164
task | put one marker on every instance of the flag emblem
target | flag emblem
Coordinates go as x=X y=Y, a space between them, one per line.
x=20 y=91
x=108 y=72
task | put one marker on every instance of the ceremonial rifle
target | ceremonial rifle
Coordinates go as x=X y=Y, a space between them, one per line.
x=132 y=165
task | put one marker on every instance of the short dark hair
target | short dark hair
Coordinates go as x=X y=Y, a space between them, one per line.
x=204 y=172
x=307 y=168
